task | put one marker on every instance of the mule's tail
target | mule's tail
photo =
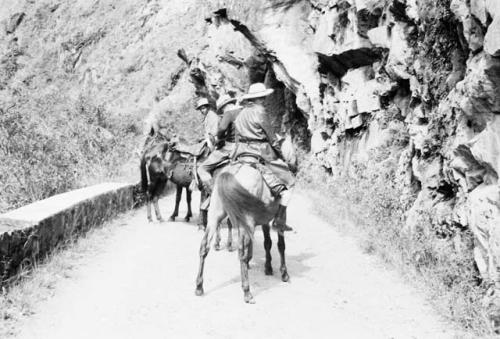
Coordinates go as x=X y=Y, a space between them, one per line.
x=144 y=175
x=238 y=203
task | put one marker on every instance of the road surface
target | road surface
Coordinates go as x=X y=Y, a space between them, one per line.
x=141 y=284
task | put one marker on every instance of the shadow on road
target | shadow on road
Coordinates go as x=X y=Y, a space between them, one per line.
x=259 y=282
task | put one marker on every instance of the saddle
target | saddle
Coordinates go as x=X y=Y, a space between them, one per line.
x=249 y=158
x=195 y=150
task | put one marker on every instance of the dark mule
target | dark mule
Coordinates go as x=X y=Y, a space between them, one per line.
x=154 y=176
x=167 y=161
x=181 y=162
x=241 y=193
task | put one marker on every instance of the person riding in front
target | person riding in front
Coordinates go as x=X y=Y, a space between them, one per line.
x=225 y=141
x=210 y=122
x=255 y=136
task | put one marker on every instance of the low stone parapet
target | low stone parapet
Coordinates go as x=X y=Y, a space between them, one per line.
x=32 y=231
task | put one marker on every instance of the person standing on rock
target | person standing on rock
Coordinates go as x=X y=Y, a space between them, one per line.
x=255 y=135
x=210 y=122
x=225 y=141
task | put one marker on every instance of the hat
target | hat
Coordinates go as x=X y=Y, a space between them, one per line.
x=224 y=100
x=257 y=90
x=202 y=102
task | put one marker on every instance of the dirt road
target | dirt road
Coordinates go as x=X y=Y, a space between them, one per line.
x=141 y=285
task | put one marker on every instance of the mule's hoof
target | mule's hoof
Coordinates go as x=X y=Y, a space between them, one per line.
x=217 y=247
x=285 y=277
x=201 y=228
x=186 y=219
x=171 y=219
x=249 y=298
x=150 y=219
x=199 y=291
x=268 y=271
x=230 y=248
x=161 y=220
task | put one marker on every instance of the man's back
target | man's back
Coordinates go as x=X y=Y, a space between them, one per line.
x=252 y=124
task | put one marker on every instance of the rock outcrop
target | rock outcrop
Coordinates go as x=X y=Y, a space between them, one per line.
x=417 y=79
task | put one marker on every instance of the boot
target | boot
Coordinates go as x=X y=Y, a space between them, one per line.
x=279 y=223
x=208 y=186
x=202 y=221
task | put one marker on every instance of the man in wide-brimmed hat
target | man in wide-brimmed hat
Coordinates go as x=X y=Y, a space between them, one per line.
x=225 y=140
x=255 y=135
x=210 y=121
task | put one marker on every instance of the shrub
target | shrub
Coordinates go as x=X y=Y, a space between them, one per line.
x=51 y=144
x=443 y=267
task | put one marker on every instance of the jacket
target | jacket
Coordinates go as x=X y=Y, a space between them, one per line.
x=227 y=130
x=255 y=134
x=210 y=123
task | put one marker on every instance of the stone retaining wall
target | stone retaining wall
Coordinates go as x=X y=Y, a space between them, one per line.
x=30 y=232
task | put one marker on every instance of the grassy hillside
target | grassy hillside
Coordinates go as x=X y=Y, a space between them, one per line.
x=77 y=80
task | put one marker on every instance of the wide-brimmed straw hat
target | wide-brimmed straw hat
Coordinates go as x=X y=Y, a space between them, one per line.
x=224 y=100
x=202 y=102
x=257 y=90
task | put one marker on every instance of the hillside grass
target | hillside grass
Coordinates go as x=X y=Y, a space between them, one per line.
x=443 y=268
x=51 y=144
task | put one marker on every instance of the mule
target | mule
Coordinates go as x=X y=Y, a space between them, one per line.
x=181 y=163
x=168 y=161
x=154 y=176
x=240 y=192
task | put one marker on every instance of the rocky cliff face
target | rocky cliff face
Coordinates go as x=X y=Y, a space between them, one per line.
x=409 y=85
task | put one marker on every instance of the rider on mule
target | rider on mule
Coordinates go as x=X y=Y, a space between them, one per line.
x=225 y=141
x=210 y=122
x=255 y=137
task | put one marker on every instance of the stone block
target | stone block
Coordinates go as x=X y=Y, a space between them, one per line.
x=368 y=103
x=492 y=38
x=484 y=222
x=478 y=9
x=379 y=36
x=32 y=231
x=400 y=58
x=486 y=146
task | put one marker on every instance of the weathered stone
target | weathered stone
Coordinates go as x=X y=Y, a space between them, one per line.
x=32 y=231
x=485 y=147
x=370 y=5
x=400 y=59
x=460 y=9
x=318 y=142
x=430 y=174
x=412 y=9
x=338 y=33
x=493 y=8
x=477 y=93
x=484 y=222
x=492 y=38
x=478 y=9
x=14 y=22
x=419 y=134
x=379 y=36
x=466 y=170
